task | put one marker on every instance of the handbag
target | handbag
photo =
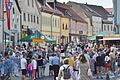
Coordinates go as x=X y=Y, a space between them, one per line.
x=89 y=72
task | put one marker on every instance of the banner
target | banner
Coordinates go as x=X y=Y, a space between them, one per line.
x=8 y=6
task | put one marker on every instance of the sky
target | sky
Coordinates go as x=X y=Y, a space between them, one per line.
x=104 y=3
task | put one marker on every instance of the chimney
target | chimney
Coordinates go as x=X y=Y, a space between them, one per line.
x=63 y=2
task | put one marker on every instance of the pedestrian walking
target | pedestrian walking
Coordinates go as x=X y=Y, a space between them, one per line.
x=30 y=69
x=34 y=63
x=112 y=62
x=107 y=63
x=65 y=71
x=75 y=68
x=118 y=60
x=99 y=65
x=83 y=67
x=55 y=65
x=23 y=67
x=40 y=66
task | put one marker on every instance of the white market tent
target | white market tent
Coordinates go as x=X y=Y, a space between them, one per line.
x=105 y=39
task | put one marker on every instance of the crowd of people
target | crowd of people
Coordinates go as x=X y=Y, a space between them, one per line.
x=86 y=61
x=73 y=61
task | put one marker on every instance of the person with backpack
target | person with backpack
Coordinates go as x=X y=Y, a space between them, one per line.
x=65 y=71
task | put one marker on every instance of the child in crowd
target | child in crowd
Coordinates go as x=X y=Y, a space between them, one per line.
x=30 y=69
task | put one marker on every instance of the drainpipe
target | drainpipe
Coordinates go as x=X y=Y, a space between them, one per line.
x=60 y=28
x=41 y=21
x=52 y=17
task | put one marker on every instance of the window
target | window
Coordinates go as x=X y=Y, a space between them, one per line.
x=32 y=3
x=15 y=26
x=66 y=27
x=34 y=19
x=108 y=27
x=17 y=19
x=63 y=26
x=55 y=23
x=28 y=17
x=37 y=20
x=111 y=28
x=24 y=16
x=28 y=2
x=13 y=11
x=31 y=18
x=104 y=27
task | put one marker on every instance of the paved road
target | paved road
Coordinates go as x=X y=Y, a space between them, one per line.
x=51 y=78
x=46 y=78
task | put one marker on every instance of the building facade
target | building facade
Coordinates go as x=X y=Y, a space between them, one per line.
x=76 y=24
x=30 y=16
x=116 y=11
x=12 y=34
x=97 y=24
x=64 y=29
x=50 y=21
x=93 y=19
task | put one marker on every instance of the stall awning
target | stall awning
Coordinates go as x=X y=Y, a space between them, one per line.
x=32 y=38
x=105 y=39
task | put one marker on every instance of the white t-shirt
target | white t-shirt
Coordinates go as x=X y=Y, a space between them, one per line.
x=23 y=63
x=107 y=58
x=34 y=63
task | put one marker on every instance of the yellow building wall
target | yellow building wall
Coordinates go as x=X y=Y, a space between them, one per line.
x=65 y=29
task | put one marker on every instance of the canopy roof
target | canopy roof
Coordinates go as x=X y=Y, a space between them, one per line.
x=29 y=38
x=98 y=34
x=105 y=39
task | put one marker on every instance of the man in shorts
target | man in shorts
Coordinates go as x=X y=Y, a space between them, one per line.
x=23 y=67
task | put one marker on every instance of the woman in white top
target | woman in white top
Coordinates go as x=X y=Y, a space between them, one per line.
x=23 y=67
x=107 y=63
x=34 y=63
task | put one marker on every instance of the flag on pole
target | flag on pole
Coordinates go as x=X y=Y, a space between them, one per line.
x=8 y=6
